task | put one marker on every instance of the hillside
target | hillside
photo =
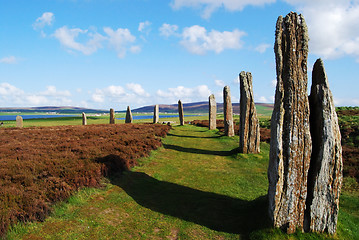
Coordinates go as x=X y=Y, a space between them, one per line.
x=198 y=107
x=61 y=109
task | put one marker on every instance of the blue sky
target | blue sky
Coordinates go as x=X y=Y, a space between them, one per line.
x=114 y=53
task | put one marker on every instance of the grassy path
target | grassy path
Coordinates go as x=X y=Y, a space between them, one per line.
x=194 y=187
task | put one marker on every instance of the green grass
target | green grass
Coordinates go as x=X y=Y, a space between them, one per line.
x=194 y=187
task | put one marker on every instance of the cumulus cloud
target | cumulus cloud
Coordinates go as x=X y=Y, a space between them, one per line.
x=262 y=47
x=207 y=7
x=137 y=89
x=133 y=93
x=168 y=30
x=11 y=95
x=120 y=39
x=67 y=38
x=9 y=60
x=46 y=19
x=197 y=40
x=144 y=27
x=333 y=26
x=172 y=95
x=219 y=83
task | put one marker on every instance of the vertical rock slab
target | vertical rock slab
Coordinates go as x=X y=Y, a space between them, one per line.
x=249 y=132
x=290 y=145
x=84 y=119
x=228 y=112
x=128 y=118
x=19 y=122
x=180 y=112
x=212 y=112
x=112 y=116
x=156 y=114
x=325 y=173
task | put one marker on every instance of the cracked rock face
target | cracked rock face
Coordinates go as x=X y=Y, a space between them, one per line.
x=180 y=112
x=212 y=112
x=290 y=146
x=156 y=115
x=325 y=173
x=249 y=131
x=228 y=112
x=128 y=118
x=112 y=116
x=19 y=122
x=84 y=119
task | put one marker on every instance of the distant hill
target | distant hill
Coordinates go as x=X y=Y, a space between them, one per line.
x=202 y=107
x=65 y=109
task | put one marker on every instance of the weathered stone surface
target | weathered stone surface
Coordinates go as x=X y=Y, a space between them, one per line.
x=84 y=119
x=19 y=122
x=290 y=145
x=128 y=118
x=112 y=116
x=249 y=132
x=156 y=114
x=180 y=112
x=326 y=166
x=228 y=112
x=212 y=112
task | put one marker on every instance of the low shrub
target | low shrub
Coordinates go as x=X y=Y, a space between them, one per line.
x=42 y=165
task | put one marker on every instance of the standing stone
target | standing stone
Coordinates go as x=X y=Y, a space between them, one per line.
x=128 y=115
x=84 y=119
x=212 y=112
x=249 y=131
x=156 y=114
x=180 y=112
x=290 y=145
x=19 y=122
x=326 y=166
x=112 y=116
x=228 y=112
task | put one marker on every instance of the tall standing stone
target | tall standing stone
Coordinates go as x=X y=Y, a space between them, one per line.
x=212 y=112
x=180 y=112
x=156 y=115
x=84 y=119
x=326 y=166
x=249 y=131
x=228 y=112
x=290 y=146
x=128 y=115
x=19 y=122
x=112 y=116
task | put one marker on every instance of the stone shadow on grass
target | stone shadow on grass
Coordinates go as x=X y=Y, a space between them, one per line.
x=185 y=136
x=201 y=151
x=215 y=211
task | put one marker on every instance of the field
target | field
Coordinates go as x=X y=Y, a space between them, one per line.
x=196 y=186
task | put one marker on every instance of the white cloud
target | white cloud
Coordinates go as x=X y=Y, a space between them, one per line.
x=209 y=6
x=137 y=89
x=262 y=99
x=8 y=60
x=262 y=47
x=120 y=39
x=46 y=19
x=197 y=40
x=67 y=38
x=13 y=96
x=168 y=30
x=333 y=26
x=133 y=94
x=219 y=83
x=144 y=27
x=172 y=95
x=273 y=83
